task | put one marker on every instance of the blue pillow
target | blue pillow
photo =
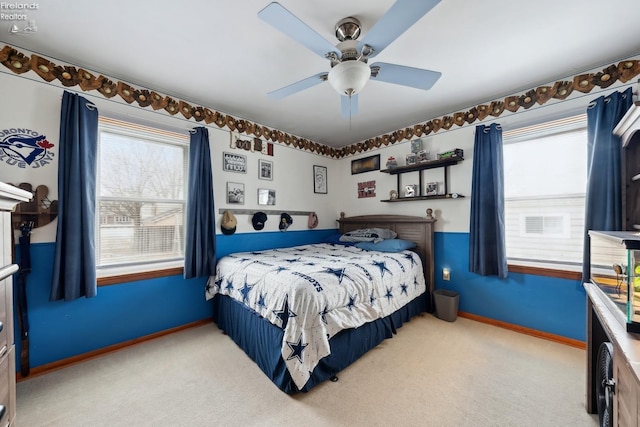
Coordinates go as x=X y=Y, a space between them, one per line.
x=335 y=239
x=387 y=245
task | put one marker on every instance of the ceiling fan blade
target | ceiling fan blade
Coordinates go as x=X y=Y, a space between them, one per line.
x=298 y=86
x=402 y=15
x=349 y=105
x=288 y=23
x=405 y=76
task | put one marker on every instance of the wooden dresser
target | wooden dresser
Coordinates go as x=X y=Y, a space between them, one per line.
x=606 y=323
x=9 y=197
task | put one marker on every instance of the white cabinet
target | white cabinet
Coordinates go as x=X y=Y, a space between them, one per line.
x=9 y=197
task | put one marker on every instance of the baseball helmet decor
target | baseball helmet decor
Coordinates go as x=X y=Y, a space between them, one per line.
x=285 y=221
x=229 y=223
x=313 y=220
x=258 y=220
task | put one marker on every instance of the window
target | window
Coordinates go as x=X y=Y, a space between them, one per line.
x=545 y=182
x=141 y=187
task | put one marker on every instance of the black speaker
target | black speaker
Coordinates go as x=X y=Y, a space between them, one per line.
x=605 y=385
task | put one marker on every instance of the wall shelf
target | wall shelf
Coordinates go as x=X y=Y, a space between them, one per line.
x=420 y=167
x=434 y=197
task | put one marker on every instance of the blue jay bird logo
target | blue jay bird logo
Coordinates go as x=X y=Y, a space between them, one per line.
x=22 y=147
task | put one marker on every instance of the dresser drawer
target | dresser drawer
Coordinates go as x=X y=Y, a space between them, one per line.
x=4 y=319
x=7 y=385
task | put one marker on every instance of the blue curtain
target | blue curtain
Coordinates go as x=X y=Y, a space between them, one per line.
x=200 y=248
x=603 y=202
x=487 y=254
x=74 y=262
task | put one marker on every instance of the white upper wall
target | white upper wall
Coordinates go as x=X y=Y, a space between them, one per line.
x=452 y=215
x=35 y=105
x=29 y=102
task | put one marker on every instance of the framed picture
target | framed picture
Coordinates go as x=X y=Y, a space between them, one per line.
x=416 y=145
x=422 y=156
x=432 y=189
x=366 y=164
x=235 y=193
x=265 y=169
x=319 y=179
x=410 y=190
x=234 y=163
x=266 y=196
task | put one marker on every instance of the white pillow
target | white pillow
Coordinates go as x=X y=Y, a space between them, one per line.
x=368 y=235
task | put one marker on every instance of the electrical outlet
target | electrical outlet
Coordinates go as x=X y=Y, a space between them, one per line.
x=446 y=274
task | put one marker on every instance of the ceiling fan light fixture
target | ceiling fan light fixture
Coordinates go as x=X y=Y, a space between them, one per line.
x=349 y=77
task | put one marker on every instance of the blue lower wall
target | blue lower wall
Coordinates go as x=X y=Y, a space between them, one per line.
x=127 y=311
x=122 y=312
x=552 y=305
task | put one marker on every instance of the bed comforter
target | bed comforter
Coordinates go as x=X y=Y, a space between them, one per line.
x=314 y=291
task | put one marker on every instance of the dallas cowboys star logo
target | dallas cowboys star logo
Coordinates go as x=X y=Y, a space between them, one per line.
x=403 y=288
x=410 y=258
x=323 y=315
x=245 y=290
x=352 y=302
x=229 y=286
x=283 y=313
x=382 y=266
x=261 y=302
x=389 y=295
x=211 y=288
x=296 y=349
x=338 y=272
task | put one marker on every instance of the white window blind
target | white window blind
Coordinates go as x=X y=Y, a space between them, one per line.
x=545 y=182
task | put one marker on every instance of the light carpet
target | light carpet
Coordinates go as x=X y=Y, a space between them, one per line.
x=432 y=373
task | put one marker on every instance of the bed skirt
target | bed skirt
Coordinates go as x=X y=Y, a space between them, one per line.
x=262 y=340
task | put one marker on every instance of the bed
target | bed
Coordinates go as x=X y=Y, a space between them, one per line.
x=305 y=313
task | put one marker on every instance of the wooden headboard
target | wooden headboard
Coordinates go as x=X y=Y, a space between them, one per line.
x=415 y=228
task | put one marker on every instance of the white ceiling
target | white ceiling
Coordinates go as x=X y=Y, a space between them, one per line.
x=218 y=54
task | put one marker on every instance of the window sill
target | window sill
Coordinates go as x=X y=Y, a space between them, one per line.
x=134 y=277
x=548 y=272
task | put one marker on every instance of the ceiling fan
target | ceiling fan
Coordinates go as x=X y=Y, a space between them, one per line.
x=350 y=70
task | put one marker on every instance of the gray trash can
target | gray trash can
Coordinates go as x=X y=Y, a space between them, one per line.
x=446 y=304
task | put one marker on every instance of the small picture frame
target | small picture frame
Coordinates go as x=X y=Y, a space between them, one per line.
x=431 y=189
x=410 y=190
x=422 y=156
x=416 y=146
x=265 y=169
x=235 y=193
x=234 y=163
x=319 y=179
x=410 y=159
x=366 y=164
x=266 y=196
